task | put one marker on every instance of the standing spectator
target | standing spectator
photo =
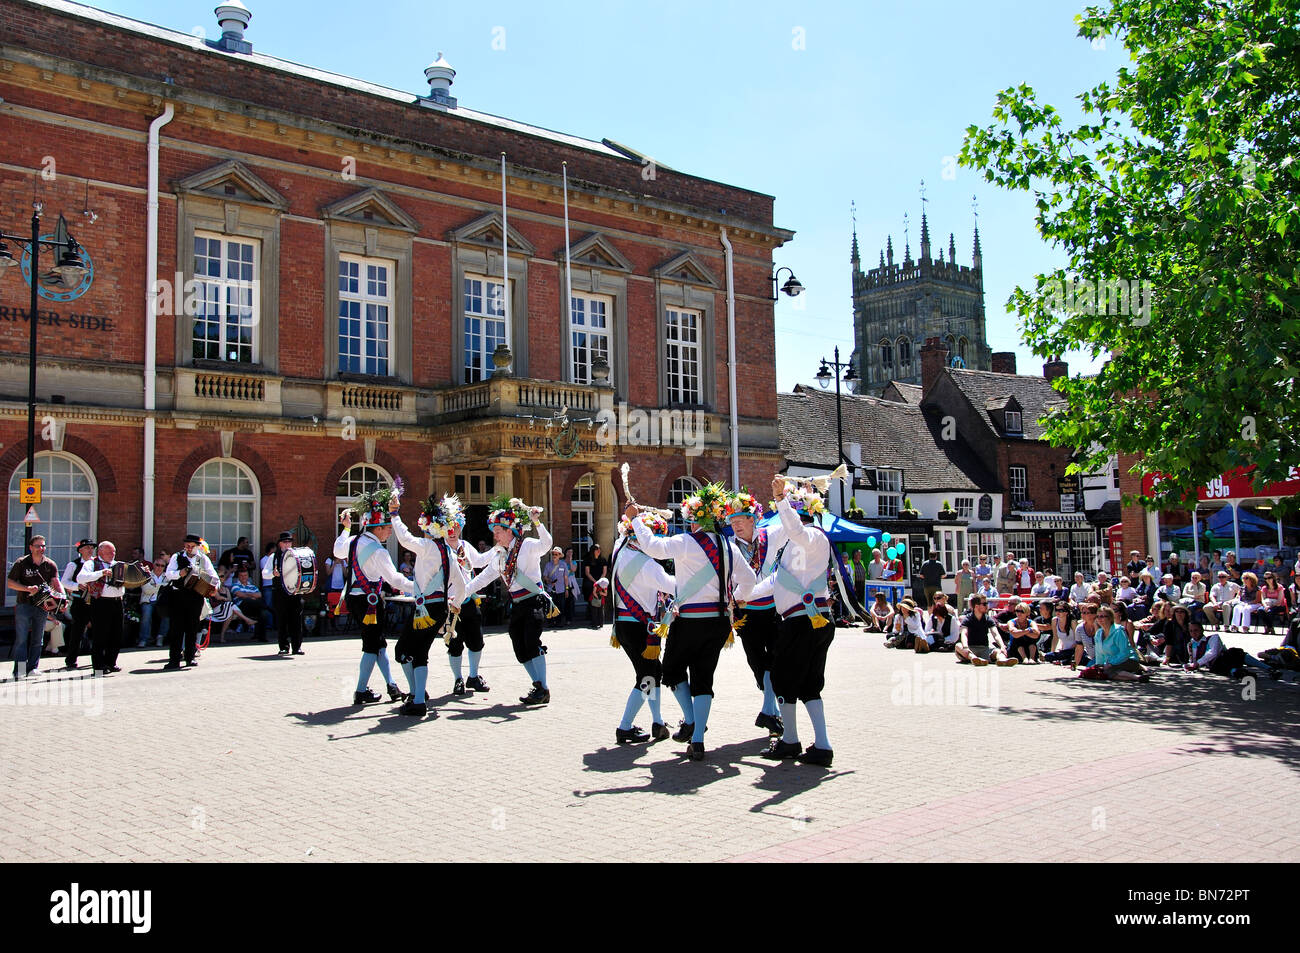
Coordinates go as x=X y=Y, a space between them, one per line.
x=876 y=568
x=859 y=577
x=982 y=569
x=1024 y=579
x=148 y=602
x=965 y=585
x=26 y=577
x=594 y=568
x=933 y=575
x=267 y=576
x=1207 y=573
x=1133 y=568
x=239 y=553
x=1177 y=570
x=1234 y=568
x=557 y=578
x=1007 y=575
x=1216 y=563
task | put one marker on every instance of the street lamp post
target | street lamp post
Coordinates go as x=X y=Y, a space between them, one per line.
x=71 y=270
x=824 y=379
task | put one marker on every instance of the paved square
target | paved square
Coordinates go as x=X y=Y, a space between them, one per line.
x=254 y=757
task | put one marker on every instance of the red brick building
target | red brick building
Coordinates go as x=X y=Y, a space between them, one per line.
x=330 y=306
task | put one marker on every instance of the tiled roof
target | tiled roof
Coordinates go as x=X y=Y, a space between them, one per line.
x=987 y=390
x=909 y=393
x=892 y=434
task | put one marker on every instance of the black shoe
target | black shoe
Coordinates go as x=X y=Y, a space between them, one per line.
x=113 y=668
x=191 y=662
x=172 y=666
x=778 y=750
x=659 y=731
x=685 y=731
x=538 y=696
x=476 y=683
x=818 y=756
x=299 y=652
x=459 y=687
x=633 y=736
x=71 y=666
x=695 y=751
x=413 y=709
x=282 y=651
x=395 y=694
x=362 y=698
x=772 y=723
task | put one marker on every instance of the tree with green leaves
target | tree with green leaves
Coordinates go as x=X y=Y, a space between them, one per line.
x=1175 y=202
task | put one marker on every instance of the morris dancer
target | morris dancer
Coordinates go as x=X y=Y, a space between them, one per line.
x=469 y=625
x=639 y=583
x=804 y=634
x=439 y=582
x=286 y=608
x=369 y=567
x=105 y=609
x=522 y=572
x=756 y=620
x=185 y=604
x=709 y=571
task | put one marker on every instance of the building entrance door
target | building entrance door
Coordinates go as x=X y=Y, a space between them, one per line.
x=1045 y=547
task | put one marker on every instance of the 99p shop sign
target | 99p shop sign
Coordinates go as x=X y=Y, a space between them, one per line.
x=1235 y=485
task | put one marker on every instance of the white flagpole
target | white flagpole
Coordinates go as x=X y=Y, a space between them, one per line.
x=568 y=274
x=505 y=251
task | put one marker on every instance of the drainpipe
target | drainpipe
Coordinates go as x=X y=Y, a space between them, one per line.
x=731 y=364
x=151 y=328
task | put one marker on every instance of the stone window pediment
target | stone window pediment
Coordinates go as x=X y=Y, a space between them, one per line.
x=596 y=252
x=233 y=181
x=486 y=231
x=371 y=207
x=686 y=268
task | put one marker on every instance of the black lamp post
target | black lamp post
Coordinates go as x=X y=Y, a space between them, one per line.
x=68 y=272
x=824 y=376
x=793 y=287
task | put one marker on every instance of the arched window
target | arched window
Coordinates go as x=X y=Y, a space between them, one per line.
x=886 y=358
x=682 y=488
x=358 y=479
x=961 y=351
x=222 y=504
x=950 y=343
x=67 y=509
x=582 y=509
x=904 y=354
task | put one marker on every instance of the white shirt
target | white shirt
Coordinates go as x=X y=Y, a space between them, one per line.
x=89 y=573
x=807 y=558
x=689 y=560
x=149 y=591
x=428 y=561
x=1222 y=592
x=909 y=624
x=643 y=583
x=776 y=538
x=377 y=567
x=1194 y=590
x=1079 y=592
x=69 y=577
x=265 y=567
x=528 y=564
x=199 y=563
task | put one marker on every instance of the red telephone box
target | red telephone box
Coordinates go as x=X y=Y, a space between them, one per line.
x=1115 y=545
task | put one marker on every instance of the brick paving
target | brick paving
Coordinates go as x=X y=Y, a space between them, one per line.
x=253 y=757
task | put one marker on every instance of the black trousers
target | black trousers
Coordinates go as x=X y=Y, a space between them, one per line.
x=372 y=636
x=288 y=618
x=413 y=644
x=105 y=632
x=469 y=631
x=692 y=652
x=632 y=638
x=799 y=659
x=756 y=637
x=184 y=607
x=79 y=609
x=526 y=629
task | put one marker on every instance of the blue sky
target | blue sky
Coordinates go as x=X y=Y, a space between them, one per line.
x=819 y=105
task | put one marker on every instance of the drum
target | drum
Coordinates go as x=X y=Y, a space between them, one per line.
x=298 y=571
x=199 y=584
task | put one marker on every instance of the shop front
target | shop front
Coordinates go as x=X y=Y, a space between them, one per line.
x=1059 y=544
x=1231 y=516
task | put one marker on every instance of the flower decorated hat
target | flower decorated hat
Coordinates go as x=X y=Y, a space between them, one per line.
x=509 y=513
x=437 y=516
x=709 y=506
x=370 y=509
x=653 y=522
x=744 y=504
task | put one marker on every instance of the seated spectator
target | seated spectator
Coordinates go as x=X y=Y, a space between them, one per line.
x=1043 y=624
x=1233 y=567
x=1208 y=654
x=1080 y=591
x=1023 y=635
x=1249 y=601
x=906 y=627
x=880 y=615
x=1116 y=659
x=248 y=601
x=1176 y=636
x=1223 y=594
x=1125 y=592
x=1085 y=634
x=1275 y=609
x=1146 y=594
x=1169 y=590
x=1195 y=595
x=1105 y=595
x=941 y=633
x=979 y=641
x=1040 y=587
x=1152 y=629
x=987 y=589
x=1060 y=634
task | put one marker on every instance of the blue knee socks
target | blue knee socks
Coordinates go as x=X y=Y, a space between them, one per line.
x=421 y=680
x=409 y=669
x=817 y=715
x=682 y=692
x=531 y=668
x=701 y=704
x=367 y=666
x=384 y=670
x=654 y=700
x=455 y=666
x=791 y=735
x=473 y=663
x=769 y=696
x=634 y=703
x=539 y=666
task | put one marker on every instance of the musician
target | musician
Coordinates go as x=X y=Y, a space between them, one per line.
x=184 y=603
x=469 y=625
x=519 y=564
x=799 y=588
x=27 y=577
x=105 y=608
x=287 y=607
x=78 y=602
x=369 y=567
x=709 y=570
x=439 y=582
x=640 y=586
x=758 y=629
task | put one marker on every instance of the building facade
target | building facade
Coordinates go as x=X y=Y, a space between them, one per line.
x=330 y=305
x=897 y=307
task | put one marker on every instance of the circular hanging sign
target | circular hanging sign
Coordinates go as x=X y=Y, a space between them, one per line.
x=55 y=290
